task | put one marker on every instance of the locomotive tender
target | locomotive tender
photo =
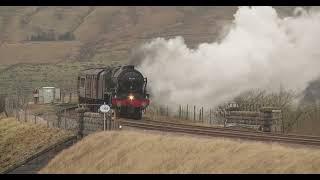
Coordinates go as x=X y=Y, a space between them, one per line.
x=122 y=87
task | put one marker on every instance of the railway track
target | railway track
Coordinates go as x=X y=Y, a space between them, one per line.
x=222 y=132
x=168 y=126
x=234 y=130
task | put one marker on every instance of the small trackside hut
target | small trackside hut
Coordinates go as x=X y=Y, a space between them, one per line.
x=121 y=87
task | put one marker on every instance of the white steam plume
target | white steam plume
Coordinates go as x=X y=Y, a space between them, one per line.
x=261 y=50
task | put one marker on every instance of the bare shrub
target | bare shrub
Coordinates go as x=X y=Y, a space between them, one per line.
x=293 y=111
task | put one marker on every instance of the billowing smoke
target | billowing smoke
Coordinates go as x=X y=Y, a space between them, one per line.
x=261 y=50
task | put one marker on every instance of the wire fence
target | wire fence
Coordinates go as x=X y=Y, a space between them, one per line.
x=219 y=116
x=79 y=120
x=187 y=113
x=301 y=120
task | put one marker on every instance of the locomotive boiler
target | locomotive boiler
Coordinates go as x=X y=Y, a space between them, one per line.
x=121 y=87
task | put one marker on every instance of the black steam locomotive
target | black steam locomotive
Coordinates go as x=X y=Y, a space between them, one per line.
x=121 y=87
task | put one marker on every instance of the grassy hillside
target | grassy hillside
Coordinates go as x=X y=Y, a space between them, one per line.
x=38 y=52
x=22 y=78
x=19 y=141
x=103 y=35
x=106 y=30
x=143 y=152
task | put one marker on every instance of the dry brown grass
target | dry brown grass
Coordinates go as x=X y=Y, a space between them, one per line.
x=37 y=52
x=19 y=141
x=2 y=115
x=139 y=152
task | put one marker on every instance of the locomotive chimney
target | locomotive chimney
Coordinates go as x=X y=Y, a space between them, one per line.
x=128 y=67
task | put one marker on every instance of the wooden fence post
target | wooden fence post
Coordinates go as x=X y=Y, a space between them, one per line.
x=182 y=112
x=59 y=119
x=110 y=122
x=194 y=113
x=65 y=119
x=210 y=117
x=282 y=122
x=25 y=115
x=65 y=123
x=18 y=115
x=80 y=112
x=187 y=112
x=167 y=111
x=202 y=114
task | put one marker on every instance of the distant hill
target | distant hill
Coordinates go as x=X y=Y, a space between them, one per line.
x=47 y=46
x=105 y=32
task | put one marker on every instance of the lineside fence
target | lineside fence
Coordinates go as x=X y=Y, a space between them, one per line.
x=84 y=122
x=78 y=120
x=263 y=117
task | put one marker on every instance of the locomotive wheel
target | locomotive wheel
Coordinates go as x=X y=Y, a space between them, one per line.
x=138 y=114
x=135 y=114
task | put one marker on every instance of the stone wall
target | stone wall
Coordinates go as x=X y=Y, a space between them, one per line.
x=81 y=123
x=93 y=122
x=269 y=119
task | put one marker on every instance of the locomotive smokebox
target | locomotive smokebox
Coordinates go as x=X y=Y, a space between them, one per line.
x=131 y=67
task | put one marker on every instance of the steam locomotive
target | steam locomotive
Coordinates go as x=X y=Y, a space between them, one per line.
x=121 y=87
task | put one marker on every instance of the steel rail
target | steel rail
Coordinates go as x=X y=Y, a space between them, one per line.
x=220 y=133
x=234 y=130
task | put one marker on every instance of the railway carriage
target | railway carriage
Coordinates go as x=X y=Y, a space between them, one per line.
x=122 y=87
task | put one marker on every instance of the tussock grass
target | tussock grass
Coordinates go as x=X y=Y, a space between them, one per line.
x=139 y=152
x=19 y=141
